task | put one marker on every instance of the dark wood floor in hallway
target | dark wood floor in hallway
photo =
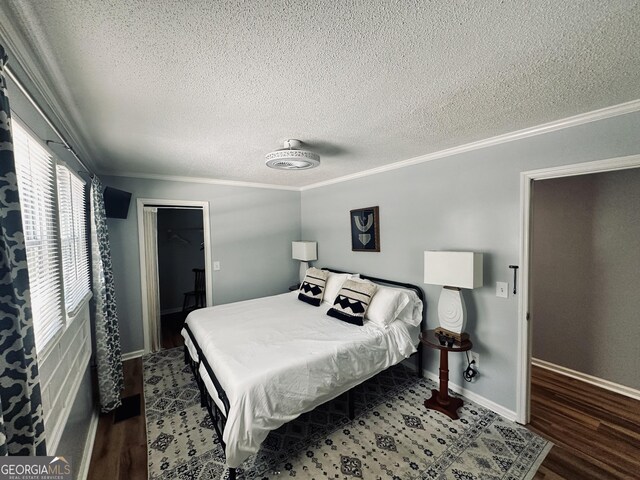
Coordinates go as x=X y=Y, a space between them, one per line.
x=171 y=325
x=596 y=433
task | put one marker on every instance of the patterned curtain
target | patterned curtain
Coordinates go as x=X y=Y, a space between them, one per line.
x=108 y=354
x=21 y=418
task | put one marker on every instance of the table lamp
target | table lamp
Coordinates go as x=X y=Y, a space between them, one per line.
x=454 y=271
x=304 y=251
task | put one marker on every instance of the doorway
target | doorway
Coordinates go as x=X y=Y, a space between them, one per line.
x=526 y=301
x=180 y=270
x=175 y=240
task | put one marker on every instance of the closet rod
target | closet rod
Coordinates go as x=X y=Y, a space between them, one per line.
x=172 y=207
x=44 y=116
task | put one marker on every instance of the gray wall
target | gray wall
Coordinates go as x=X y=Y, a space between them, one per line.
x=586 y=272
x=251 y=234
x=464 y=202
x=178 y=256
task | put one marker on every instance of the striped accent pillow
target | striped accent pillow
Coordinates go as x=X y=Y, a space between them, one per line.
x=312 y=287
x=352 y=302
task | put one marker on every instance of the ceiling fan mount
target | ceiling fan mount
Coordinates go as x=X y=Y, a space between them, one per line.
x=292 y=157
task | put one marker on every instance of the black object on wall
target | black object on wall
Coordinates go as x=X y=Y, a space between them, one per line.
x=116 y=202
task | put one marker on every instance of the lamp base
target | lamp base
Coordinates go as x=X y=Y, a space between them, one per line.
x=452 y=312
x=303 y=270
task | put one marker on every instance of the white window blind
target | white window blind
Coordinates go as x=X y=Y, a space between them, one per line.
x=73 y=238
x=36 y=184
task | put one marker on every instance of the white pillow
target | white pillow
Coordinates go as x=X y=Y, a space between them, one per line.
x=412 y=312
x=333 y=286
x=385 y=305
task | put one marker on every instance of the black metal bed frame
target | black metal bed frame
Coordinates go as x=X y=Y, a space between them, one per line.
x=219 y=418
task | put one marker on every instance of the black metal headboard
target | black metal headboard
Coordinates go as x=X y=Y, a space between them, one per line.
x=410 y=286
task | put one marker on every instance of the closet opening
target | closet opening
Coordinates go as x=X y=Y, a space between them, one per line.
x=174 y=262
x=180 y=270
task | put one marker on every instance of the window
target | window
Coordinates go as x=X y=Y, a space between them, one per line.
x=73 y=238
x=36 y=184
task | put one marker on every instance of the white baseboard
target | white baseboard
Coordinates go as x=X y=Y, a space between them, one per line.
x=474 y=397
x=132 y=355
x=590 y=379
x=85 y=462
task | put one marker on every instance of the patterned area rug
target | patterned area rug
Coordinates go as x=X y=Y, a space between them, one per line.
x=392 y=437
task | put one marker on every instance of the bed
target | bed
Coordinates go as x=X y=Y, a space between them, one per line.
x=261 y=363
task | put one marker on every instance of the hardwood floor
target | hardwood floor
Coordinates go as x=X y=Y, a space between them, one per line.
x=120 y=449
x=596 y=433
x=171 y=325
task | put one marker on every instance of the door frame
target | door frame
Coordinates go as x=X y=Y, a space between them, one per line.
x=163 y=203
x=524 y=325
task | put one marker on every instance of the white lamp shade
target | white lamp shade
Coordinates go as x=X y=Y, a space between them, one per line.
x=304 y=251
x=453 y=269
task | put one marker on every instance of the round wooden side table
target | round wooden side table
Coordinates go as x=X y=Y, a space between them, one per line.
x=440 y=399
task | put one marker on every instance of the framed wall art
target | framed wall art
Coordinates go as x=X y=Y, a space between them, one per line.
x=365 y=229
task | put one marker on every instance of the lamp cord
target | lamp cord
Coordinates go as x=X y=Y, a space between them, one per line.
x=470 y=372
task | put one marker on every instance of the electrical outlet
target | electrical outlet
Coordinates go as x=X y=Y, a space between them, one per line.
x=502 y=289
x=475 y=357
x=216 y=266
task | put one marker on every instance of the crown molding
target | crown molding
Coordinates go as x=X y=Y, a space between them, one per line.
x=210 y=181
x=34 y=73
x=583 y=118
x=40 y=74
x=580 y=119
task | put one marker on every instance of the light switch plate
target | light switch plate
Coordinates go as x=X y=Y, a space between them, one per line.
x=502 y=289
x=216 y=266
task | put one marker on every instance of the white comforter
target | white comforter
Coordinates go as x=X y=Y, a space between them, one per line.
x=278 y=357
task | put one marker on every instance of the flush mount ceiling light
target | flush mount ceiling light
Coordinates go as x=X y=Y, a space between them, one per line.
x=292 y=157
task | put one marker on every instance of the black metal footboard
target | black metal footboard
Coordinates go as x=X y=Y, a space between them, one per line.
x=218 y=417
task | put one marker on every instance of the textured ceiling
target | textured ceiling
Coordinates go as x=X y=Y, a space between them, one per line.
x=207 y=88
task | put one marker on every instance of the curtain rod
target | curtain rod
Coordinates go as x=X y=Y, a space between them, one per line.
x=46 y=119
